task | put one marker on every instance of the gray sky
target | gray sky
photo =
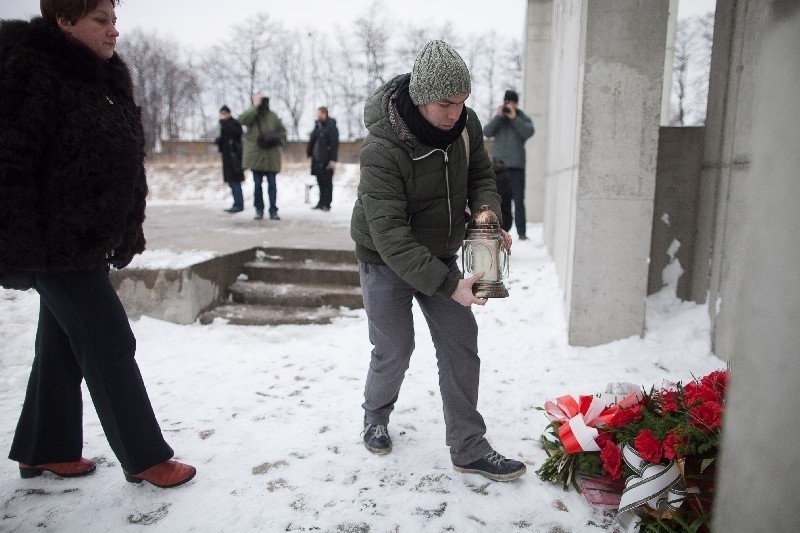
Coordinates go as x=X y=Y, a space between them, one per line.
x=201 y=23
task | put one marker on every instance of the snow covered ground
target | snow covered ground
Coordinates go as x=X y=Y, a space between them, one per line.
x=271 y=416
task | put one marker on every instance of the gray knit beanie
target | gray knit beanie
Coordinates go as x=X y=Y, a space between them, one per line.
x=438 y=73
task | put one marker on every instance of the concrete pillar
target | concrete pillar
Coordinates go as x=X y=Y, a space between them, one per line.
x=669 y=60
x=726 y=174
x=758 y=479
x=536 y=75
x=606 y=88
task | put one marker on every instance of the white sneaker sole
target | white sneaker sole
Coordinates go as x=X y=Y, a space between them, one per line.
x=494 y=477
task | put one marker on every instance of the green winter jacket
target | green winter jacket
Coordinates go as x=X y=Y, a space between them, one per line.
x=255 y=157
x=409 y=212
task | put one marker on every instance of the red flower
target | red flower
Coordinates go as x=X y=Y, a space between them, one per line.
x=706 y=416
x=670 y=443
x=603 y=438
x=697 y=393
x=648 y=446
x=623 y=417
x=716 y=381
x=611 y=457
x=670 y=400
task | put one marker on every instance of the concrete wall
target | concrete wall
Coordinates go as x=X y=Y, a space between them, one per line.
x=606 y=88
x=759 y=480
x=534 y=100
x=680 y=151
x=565 y=107
x=726 y=175
x=206 y=150
x=178 y=295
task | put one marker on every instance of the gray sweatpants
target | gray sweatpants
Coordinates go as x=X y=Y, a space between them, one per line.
x=388 y=301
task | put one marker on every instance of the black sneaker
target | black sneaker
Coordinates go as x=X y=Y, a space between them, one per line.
x=274 y=216
x=494 y=466
x=376 y=439
x=522 y=238
x=259 y=215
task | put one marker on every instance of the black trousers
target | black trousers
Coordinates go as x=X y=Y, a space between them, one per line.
x=325 y=182
x=84 y=333
x=516 y=177
x=504 y=190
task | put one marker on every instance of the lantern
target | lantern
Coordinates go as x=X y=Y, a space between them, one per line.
x=483 y=251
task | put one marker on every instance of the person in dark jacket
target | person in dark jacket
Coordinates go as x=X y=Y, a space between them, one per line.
x=511 y=127
x=263 y=162
x=423 y=163
x=229 y=143
x=73 y=190
x=323 y=149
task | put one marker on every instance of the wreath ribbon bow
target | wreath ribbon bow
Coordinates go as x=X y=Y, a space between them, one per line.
x=580 y=416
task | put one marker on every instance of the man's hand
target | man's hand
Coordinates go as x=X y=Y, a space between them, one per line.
x=332 y=165
x=463 y=293
x=506 y=240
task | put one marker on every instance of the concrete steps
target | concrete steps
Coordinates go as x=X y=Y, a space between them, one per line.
x=292 y=286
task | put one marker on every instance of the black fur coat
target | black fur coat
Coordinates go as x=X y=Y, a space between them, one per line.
x=72 y=179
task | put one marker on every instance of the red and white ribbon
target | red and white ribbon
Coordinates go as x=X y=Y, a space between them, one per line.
x=579 y=416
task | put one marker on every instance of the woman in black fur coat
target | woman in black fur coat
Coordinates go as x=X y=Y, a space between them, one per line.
x=73 y=191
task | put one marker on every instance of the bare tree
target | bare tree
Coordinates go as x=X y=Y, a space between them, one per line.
x=165 y=88
x=680 y=69
x=348 y=89
x=486 y=74
x=290 y=81
x=238 y=64
x=323 y=71
x=413 y=39
x=691 y=67
x=372 y=31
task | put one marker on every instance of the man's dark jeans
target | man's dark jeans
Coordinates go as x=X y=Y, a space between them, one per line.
x=272 y=191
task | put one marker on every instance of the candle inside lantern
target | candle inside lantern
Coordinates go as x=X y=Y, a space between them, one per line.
x=481 y=258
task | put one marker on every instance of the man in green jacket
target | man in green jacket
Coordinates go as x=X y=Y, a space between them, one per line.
x=264 y=162
x=422 y=164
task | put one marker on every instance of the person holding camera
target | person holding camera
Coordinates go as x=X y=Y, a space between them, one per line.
x=511 y=127
x=265 y=135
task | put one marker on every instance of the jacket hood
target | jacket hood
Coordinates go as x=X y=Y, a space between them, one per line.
x=376 y=110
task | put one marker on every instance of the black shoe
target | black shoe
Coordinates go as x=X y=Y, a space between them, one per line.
x=234 y=210
x=274 y=216
x=522 y=238
x=326 y=209
x=317 y=207
x=494 y=466
x=376 y=439
x=259 y=215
